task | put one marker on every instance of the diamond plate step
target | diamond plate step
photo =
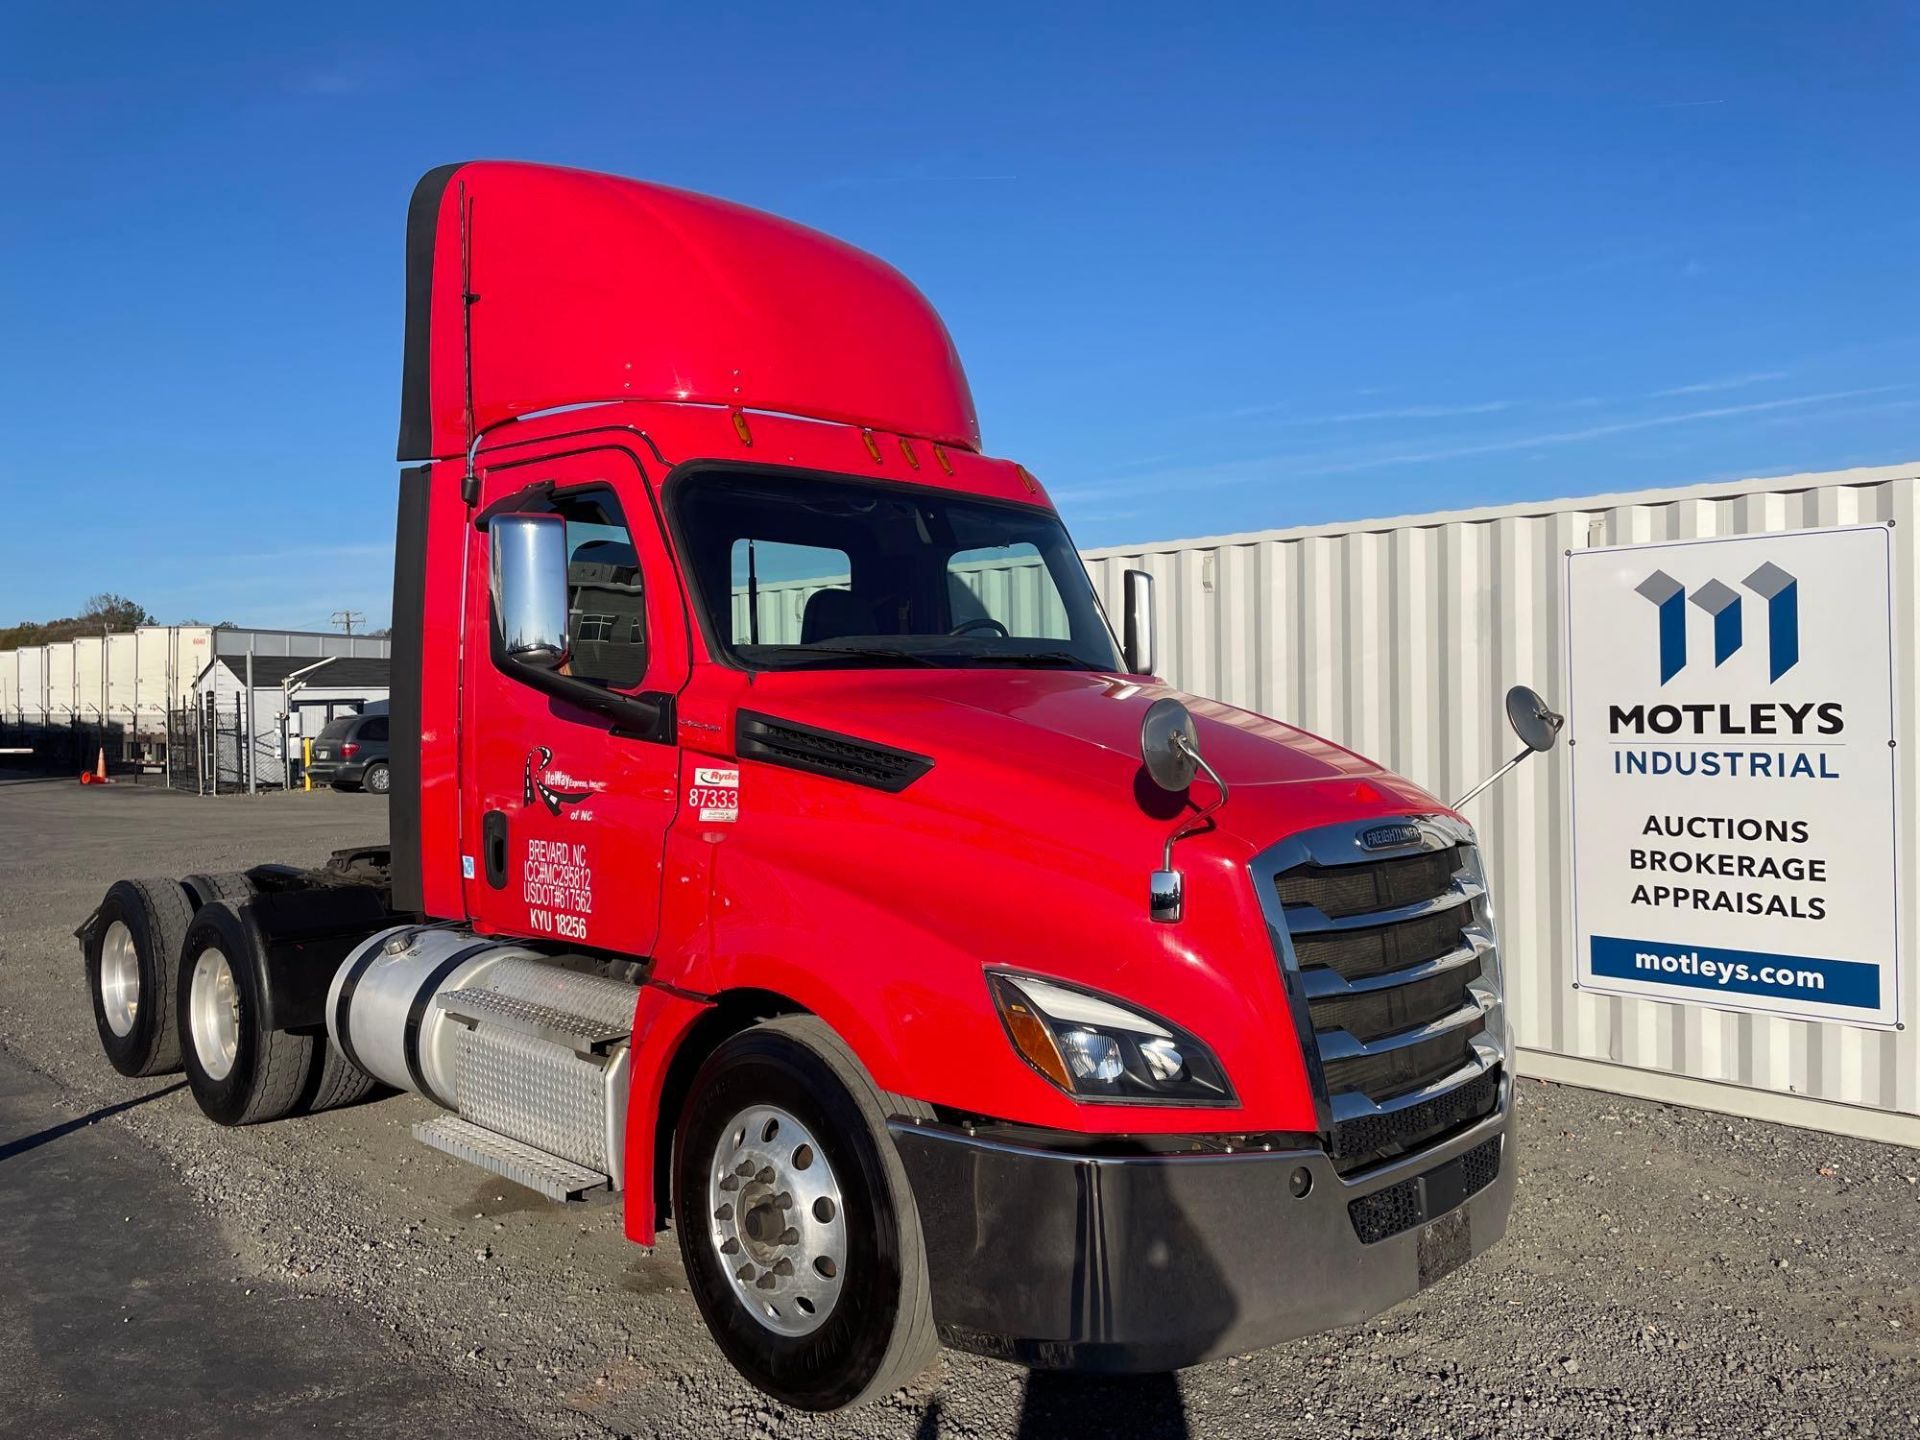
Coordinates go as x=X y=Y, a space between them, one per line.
x=553 y=1177
x=583 y=1033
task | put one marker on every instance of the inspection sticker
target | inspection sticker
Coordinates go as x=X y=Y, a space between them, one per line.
x=715 y=794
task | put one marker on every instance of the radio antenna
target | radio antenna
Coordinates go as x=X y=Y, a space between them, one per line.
x=467 y=301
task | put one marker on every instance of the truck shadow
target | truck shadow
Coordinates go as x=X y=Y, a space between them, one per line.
x=1059 y=1405
x=34 y=1141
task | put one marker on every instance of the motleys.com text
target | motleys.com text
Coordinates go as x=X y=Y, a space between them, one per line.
x=1728 y=972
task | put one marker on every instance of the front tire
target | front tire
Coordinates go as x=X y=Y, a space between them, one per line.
x=241 y=1073
x=132 y=952
x=809 y=1267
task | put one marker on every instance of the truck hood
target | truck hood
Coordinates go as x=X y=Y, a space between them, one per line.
x=1081 y=731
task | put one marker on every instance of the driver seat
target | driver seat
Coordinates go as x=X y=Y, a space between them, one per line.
x=833 y=614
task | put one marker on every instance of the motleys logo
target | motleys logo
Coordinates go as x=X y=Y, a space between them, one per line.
x=1776 y=587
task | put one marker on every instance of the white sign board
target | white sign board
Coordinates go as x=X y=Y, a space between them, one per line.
x=1731 y=708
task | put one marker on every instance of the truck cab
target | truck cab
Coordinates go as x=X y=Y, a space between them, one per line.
x=783 y=839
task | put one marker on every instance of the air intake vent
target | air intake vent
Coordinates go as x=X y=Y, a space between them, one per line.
x=825 y=752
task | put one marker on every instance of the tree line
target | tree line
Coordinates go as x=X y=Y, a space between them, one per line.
x=105 y=613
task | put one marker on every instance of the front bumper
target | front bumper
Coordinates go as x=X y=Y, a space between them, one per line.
x=1150 y=1262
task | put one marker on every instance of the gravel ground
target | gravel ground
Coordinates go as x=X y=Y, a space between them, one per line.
x=1668 y=1272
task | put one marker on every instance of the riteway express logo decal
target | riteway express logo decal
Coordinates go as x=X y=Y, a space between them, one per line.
x=1780 y=590
x=553 y=788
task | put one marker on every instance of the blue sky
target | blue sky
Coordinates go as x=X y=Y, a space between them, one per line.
x=1211 y=268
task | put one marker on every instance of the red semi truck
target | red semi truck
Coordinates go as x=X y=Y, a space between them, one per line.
x=781 y=841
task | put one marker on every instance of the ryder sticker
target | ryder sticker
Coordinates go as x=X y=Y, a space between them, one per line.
x=715 y=794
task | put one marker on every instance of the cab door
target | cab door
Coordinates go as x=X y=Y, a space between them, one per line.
x=565 y=815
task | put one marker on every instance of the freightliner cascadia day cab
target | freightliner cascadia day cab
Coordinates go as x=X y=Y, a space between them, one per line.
x=783 y=844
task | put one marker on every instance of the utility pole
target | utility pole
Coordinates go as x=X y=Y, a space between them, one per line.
x=347 y=619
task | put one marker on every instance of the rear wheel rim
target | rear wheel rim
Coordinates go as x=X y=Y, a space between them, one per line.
x=776 y=1220
x=377 y=782
x=119 y=979
x=213 y=1005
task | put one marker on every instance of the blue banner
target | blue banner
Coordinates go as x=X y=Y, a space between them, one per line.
x=1740 y=972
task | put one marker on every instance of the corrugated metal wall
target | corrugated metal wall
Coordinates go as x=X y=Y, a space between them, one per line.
x=1400 y=637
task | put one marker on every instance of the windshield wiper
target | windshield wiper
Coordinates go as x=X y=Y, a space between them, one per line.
x=857 y=652
x=1064 y=658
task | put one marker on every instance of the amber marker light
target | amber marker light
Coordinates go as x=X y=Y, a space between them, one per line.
x=1031 y=1035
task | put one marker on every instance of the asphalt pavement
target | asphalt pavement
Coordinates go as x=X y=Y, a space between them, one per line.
x=125 y=1311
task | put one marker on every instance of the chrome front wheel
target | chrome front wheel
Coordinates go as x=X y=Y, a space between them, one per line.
x=796 y=1221
x=778 y=1222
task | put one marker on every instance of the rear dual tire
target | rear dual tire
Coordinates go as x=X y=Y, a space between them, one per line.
x=836 y=1307
x=240 y=1071
x=132 y=951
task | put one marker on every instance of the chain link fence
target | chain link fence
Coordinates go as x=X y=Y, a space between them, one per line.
x=203 y=746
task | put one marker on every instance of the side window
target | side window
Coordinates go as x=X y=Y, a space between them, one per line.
x=1006 y=587
x=606 y=600
x=785 y=594
x=375 y=729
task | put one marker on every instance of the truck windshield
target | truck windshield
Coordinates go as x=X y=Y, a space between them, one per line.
x=796 y=571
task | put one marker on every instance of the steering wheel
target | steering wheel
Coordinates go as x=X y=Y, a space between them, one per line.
x=981 y=622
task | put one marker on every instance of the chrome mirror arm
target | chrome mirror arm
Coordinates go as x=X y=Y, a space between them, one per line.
x=1166 y=887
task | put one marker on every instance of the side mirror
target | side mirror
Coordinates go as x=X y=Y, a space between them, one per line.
x=529 y=584
x=1537 y=725
x=1137 y=625
x=1533 y=720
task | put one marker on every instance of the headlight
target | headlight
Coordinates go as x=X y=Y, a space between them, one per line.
x=1097 y=1049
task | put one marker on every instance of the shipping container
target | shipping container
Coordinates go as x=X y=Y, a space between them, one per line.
x=1399 y=638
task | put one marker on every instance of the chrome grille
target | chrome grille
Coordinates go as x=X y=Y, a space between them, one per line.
x=1391 y=957
x=1341 y=890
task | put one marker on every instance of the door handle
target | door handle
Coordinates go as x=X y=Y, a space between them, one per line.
x=493 y=836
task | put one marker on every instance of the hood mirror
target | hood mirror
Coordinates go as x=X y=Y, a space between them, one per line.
x=1532 y=719
x=1170 y=750
x=1167 y=746
x=1535 y=722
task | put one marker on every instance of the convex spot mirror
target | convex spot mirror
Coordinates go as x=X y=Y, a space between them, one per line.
x=1533 y=720
x=1168 y=747
x=529 y=586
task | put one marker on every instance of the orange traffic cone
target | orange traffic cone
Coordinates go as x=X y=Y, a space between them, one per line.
x=97 y=775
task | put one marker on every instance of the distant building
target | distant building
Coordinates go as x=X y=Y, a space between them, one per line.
x=292 y=699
